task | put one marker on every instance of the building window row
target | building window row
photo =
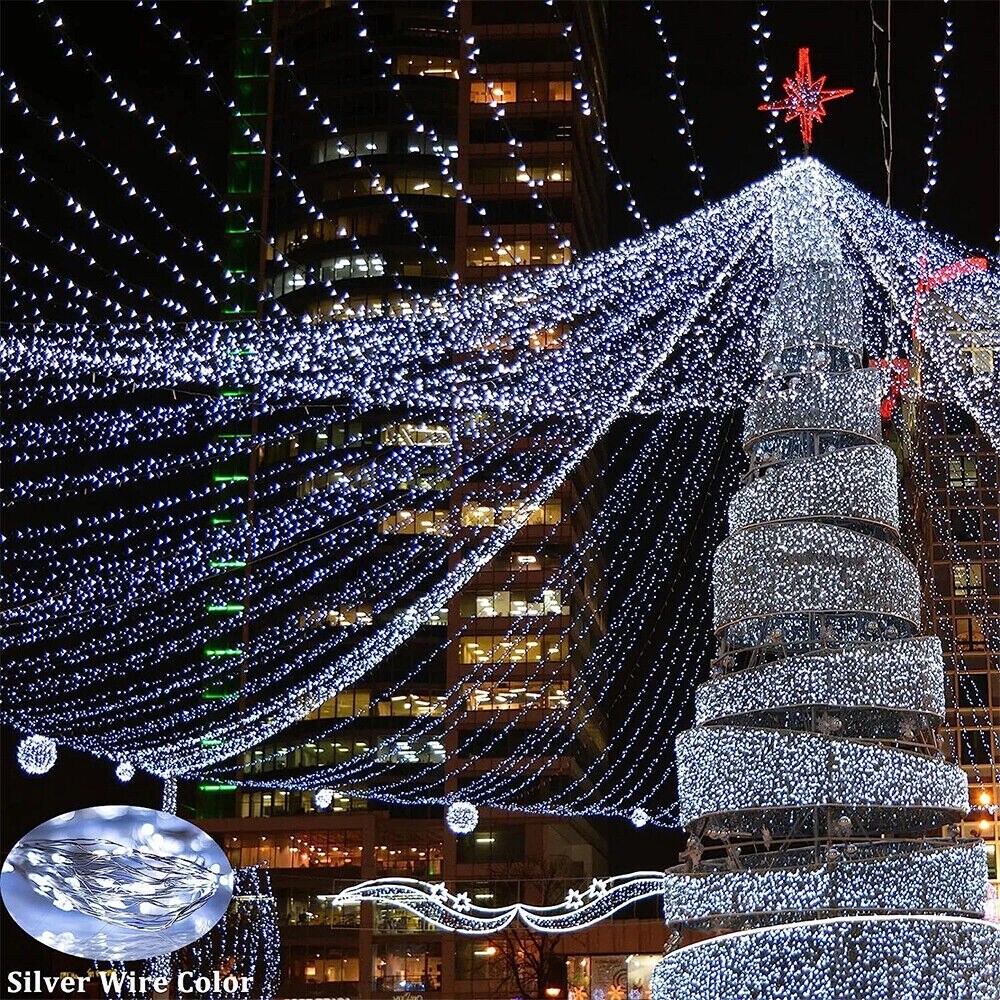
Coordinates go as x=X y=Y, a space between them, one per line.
x=414 y=180
x=423 y=434
x=378 y=143
x=340 y=226
x=512 y=604
x=358 y=703
x=344 y=616
x=268 y=758
x=470 y=515
x=494 y=92
x=416 y=522
x=344 y=705
x=487 y=515
x=351 y=144
x=546 y=339
x=515 y=695
x=315 y=910
x=257 y=804
x=513 y=649
x=485 y=174
x=545 y=252
x=306 y=849
x=330 y=269
x=439 y=66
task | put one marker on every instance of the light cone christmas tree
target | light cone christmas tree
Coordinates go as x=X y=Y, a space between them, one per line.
x=813 y=787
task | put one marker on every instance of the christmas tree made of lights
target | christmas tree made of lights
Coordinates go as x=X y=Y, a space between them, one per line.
x=813 y=786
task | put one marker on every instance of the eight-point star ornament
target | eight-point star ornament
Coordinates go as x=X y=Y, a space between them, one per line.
x=804 y=98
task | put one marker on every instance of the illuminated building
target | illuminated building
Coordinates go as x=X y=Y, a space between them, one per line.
x=953 y=483
x=541 y=204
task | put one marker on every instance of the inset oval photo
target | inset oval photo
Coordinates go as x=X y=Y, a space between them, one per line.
x=116 y=883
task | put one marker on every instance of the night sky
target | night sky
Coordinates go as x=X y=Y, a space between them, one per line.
x=717 y=58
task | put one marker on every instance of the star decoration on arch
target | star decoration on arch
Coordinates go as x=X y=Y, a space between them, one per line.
x=805 y=98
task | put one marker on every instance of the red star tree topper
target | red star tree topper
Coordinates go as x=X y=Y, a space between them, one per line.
x=804 y=98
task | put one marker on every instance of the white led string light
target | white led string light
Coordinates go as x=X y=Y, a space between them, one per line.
x=560 y=724
x=130 y=293
x=676 y=94
x=761 y=33
x=511 y=287
x=938 y=106
x=492 y=790
x=120 y=179
x=116 y=236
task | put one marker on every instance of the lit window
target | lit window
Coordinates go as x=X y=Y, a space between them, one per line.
x=506 y=696
x=493 y=92
x=513 y=604
x=350 y=145
x=514 y=649
x=432 y=184
x=969 y=634
x=968 y=579
x=962 y=473
x=521 y=253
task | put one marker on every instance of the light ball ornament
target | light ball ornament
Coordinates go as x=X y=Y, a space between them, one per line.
x=36 y=754
x=125 y=771
x=323 y=798
x=639 y=817
x=462 y=817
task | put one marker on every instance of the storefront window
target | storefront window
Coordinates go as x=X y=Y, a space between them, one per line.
x=625 y=977
x=306 y=849
x=311 y=967
x=406 y=968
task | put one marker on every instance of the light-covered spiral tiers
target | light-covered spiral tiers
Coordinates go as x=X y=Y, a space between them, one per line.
x=817 y=302
x=787 y=569
x=813 y=787
x=883 y=877
x=903 y=675
x=744 y=773
x=842 y=401
x=850 y=958
x=857 y=484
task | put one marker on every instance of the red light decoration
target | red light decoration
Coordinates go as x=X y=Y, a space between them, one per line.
x=899 y=379
x=805 y=98
x=928 y=282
